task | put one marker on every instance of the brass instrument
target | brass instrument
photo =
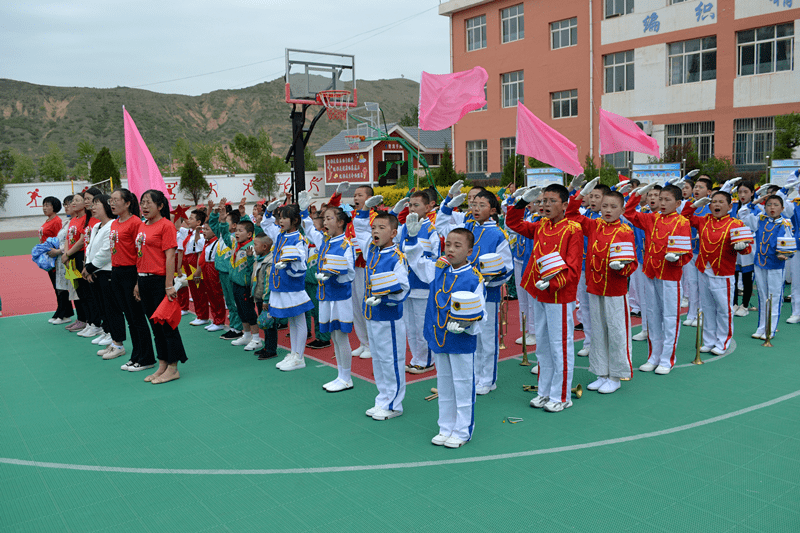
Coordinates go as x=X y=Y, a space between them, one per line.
x=434 y=395
x=525 y=361
x=767 y=343
x=503 y=316
x=698 y=343
x=577 y=391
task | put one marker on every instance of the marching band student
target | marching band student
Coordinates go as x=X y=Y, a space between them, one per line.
x=609 y=263
x=156 y=243
x=335 y=273
x=701 y=189
x=744 y=262
x=215 y=301
x=453 y=317
x=650 y=205
x=521 y=252
x=668 y=248
x=560 y=240
x=721 y=239
x=489 y=239
x=223 y=224
x=385 y=290
x=287 y=286
x=792 y=212
x=774 y=240
x=189 y=251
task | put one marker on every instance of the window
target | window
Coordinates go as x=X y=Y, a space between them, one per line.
x=753 y=140
x=476 y=156
x=434 y=160
x=700 y=134
x=765 y=50
x=512 y=20
x=513 y=88
x=615 y=8
x=691 y=61
x=565 y=103
x=619 y=160
x=476 y=33
x=677 y=1
x=508 y=146
x=619 y=71
x=485 y=97
x=564 y=33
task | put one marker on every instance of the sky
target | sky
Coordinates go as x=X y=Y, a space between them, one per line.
x=199 y=46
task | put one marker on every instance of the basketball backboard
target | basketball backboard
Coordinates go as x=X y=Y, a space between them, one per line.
x=309 y=73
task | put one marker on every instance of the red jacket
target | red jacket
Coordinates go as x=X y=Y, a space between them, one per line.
x=716 y=248
x=564 y=237
x=658 y=228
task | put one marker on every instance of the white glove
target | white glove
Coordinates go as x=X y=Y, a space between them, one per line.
x=691 y=174
x=519 y=192
x=413 y=224
x=281 y=265
x=625 y=188
x=762 y=191
x=303 y=200
x=728 y=185
x=675 y=180
x=589 y=187
x=342 y=187
x=179 y=282
x=743 y=212
x=399 y=206
x=272 y=206
x=701 y=202
x=455 y=327
x=671 y=257
x=792 y=181
x=456 y=201
x=455 y=189
x=616 y=265
x=372 y=301
x=577 y=181
x=322 y=277
x=644 y=189
x=740 y=246
x=373 y=201
x=532 y=194
x=542 y=285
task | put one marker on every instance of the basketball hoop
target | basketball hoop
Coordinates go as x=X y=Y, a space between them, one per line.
x=353 y=140
x=335 y=102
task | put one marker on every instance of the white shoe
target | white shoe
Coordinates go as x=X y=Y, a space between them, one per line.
x=338 y=385
x=535 y=369
x=254 y=344
x=366 y=354
x=757 y=335
x=51 y=320
x=648 y=367
x=86 y=328
x=104 y=350
x=557 y=407
x=717 y=351
x=184 y=313
x=454 y=442
x=136 y=367
x=107 y=341
x=295 y=363
x=684 y=302
x=215 y=327
x=663 y=370
x=583 y=352
x=742 y=311
x=480 y=391
x=611 y=385
x=358 y=351
x=596 y=384
x=530 y=340
x=285 y=360
x=371 y=411
x=794 y=319
x=97 y=340
x=113 y=352
x=690 y=322
x=242 y=341
x=518 y=341
x=641 y=336
x=198 y=322
x=126 y=365
x=385 y=414
x=439 y=439
x=705 y=349
x=539 y=401
x=61 y=320
x=94 y=331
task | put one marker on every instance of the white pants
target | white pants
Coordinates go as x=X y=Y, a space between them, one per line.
x=455 y=381
x=388 y=343
x=298 y=333
x=690 y=284
x=769 y=282
x=716 y=294
x=555 y=349
x=525 y=300
x=414 y=317
x=359 y=322
x=633 y=294
x=341 y=347
x=488 y=348
x=795 y=268
x=611 y=325
x=585 y=311
x=663 y=320
x=638 y=281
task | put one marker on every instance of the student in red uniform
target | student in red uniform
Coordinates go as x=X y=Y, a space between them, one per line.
x=607 y=288
x=554 y=303
x=50 y=207
x=663 y=270
x=189 y=252
x=213 y=288
x=156 y=243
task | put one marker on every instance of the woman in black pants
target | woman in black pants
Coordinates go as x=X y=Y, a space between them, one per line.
x=50 y=207
x=97 y=270
x=156 y=244
x=124 y=230
x=79 y=226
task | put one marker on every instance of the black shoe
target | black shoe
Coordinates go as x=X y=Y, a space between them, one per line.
x=230 y=335
x=318 y=344
x=283 y=326
x=578 y=327
x=787 y=299
x=636 y=313
x=265 y=355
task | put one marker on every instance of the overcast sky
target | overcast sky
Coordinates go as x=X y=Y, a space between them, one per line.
x=147 y=44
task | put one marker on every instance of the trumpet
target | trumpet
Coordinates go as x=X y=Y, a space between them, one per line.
x=503 y=316
x=525 y=361
x=767 y=343
x=434 y=395
x=577 y=391
x=698 y=343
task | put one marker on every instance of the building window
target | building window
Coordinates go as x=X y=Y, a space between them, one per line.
x=434 y=160
x=508 y=146
x=677 y=1
x=615 y=8
x=753 y=140
x=476 y=33
x=565 y=103
x=513 y=88
x=619 y=71
x=512 y=20
x=765 y=50
x=476 y=156
x=564 y=33
x=619 y=161
x=691 y=61
x=700 y=134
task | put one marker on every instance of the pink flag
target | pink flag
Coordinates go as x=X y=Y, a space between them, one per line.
x=143 y=173
x=620 y=134
x=445 y=98
x=537 y=139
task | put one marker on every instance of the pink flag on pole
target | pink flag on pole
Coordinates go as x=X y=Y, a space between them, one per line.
x=537 y=139
x=143 y=173
x=620 y=134
x=445 y=98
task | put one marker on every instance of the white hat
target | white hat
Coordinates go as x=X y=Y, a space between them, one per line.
x=490 y=263
x=289 y=253
x=383 y=283
x=679 y=244
x=741 y=234
x=550 y=265
x=787 y=245
x=465 y=305
x=621 y=251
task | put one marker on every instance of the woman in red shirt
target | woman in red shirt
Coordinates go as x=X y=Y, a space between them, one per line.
x=156 y=243
x=124 y=229
x=79 y=227
x=50 y=207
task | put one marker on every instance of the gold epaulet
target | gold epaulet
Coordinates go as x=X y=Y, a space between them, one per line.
x=787 y=222
x=573 y=224
x=478 y=273
x=441 y=263
x=505 y=233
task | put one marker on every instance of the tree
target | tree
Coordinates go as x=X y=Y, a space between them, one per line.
x=24 y=169
x=718 y=169
x=411 y=118
x=310 y=159
x=251 y=149
x=608 y=174
x=590 y=170
x=6 y=162
x=180 y=149
x=227 y=162
x=509 y=176
x=787 y=136
x=52 y=166
x=677 y=153
x=205 y=155
x=119 y=158
x=192 y=180
x=3 y=192
x=104 y=168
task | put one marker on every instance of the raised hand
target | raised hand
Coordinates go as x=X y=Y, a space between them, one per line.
x=589 y=187
x=373 y=201
x=399 y=206
x=576 y=182
x=456 y=201
x=644 y=189
x=729 y=185
x=413 y=224
x=342 y=187
x=273 y=205
x=303 y=200
x=532 y=194
x=455 y=189
x=701 y=202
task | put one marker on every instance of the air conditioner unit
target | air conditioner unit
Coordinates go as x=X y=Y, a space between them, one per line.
x=646 y=126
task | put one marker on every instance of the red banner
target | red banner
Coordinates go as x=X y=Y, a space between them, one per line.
x=347 y=167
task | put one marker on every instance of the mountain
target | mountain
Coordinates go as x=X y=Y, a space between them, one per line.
x=32 y=116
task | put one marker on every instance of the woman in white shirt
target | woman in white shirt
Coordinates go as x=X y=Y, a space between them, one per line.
x=97 y=271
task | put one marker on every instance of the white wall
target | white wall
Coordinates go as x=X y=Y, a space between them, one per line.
x=750 y=8
x=671 y=18
x=25 y=199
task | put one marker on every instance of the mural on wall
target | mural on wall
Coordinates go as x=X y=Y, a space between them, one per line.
x=34 y=194
x=347 y=167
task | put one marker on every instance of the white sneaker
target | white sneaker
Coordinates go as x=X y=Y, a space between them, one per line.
x=338 y=385
x=705 y=349
x=611 y=385
x=454 y=442
x=61 y=320
x=295 y=363
x=385 y=414
x=535 y=369
x=690 y=322
x=742 y=311
x=684 y=302
x=104 y=350
x=641 y=336
x=648 y=367
x=439 y=439
x=663 y=370
x=596 y=384
x=539 y=401
x=215 y=327
x=717 y=351
x=557 y=407
x=518 y=341
x=114 y=352
x=530 y=340
x=97 y=340
x=184 y=313
x=757 y=335
x=107 y=341
x=480 y=391
x=366 y=354
x=242 y=341
x=51 y=320
x=794 y=319
x=198 y=322
x=254 y=344
x=371 y=411
x=136 y=367
x=86 y=328
x=285 y=360
x=358 y=351
x=583 y=352
x=126 y=365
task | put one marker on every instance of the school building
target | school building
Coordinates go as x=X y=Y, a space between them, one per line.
x=715 y=73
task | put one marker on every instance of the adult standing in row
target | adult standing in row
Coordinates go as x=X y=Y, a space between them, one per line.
x=50 y=207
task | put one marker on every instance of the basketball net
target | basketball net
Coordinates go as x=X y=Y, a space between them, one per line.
x=336 y=103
